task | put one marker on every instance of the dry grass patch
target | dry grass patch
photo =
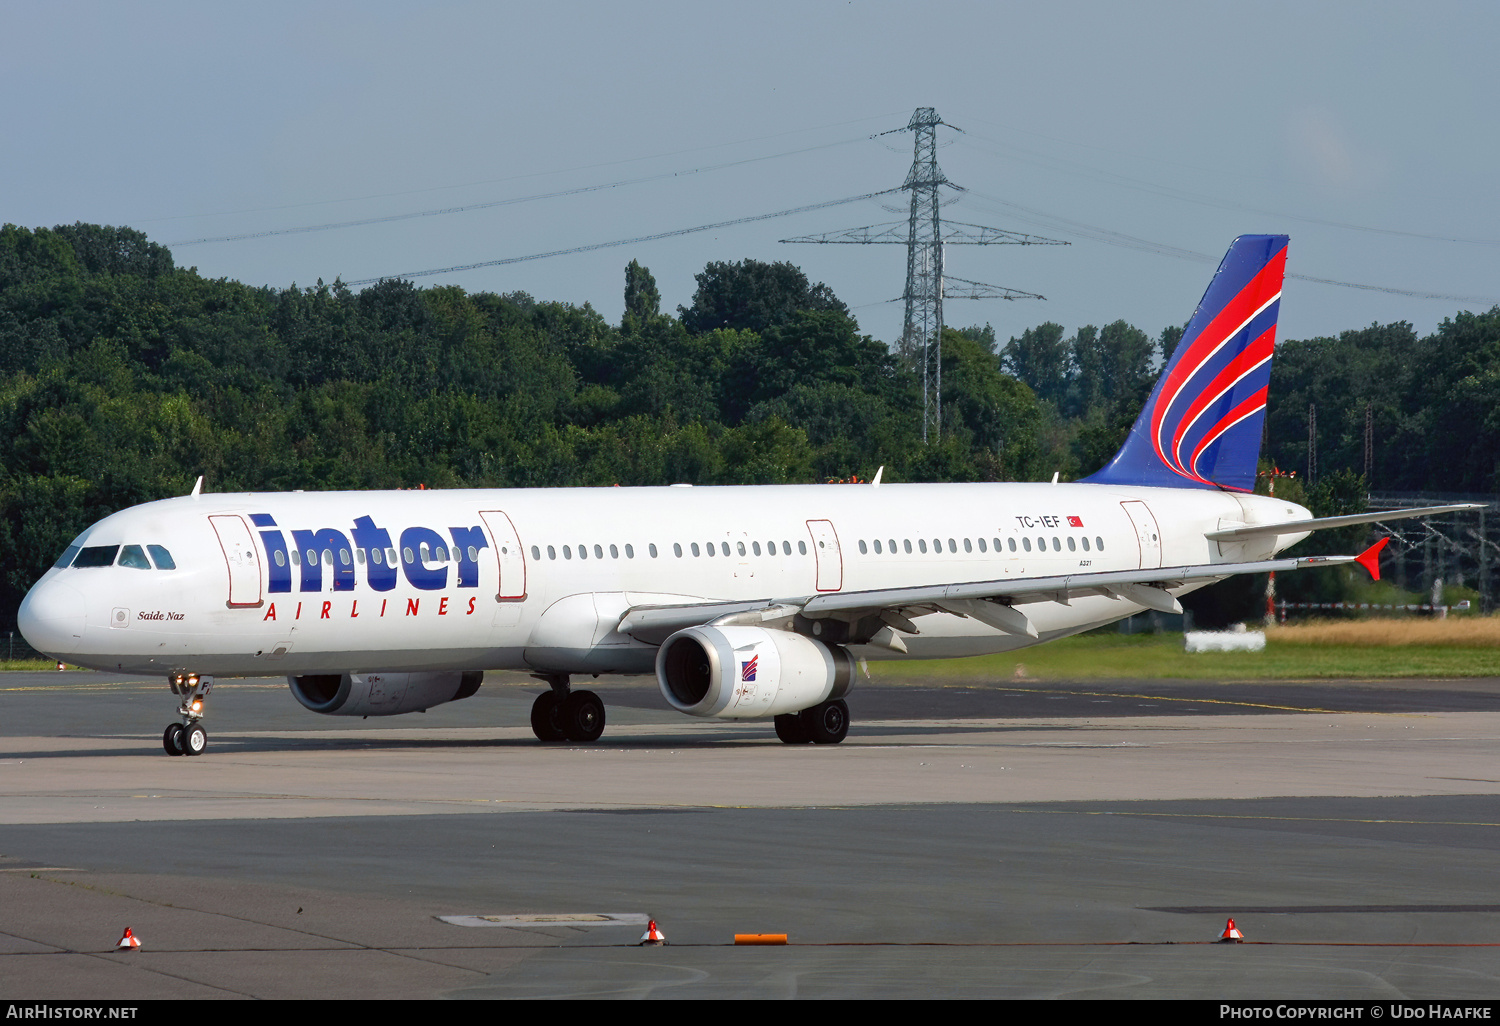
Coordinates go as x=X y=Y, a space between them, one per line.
x=1456 y=632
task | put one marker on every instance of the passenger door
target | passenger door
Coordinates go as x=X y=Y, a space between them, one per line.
x=1147 y=534
x=825 y=541
x=241 y=558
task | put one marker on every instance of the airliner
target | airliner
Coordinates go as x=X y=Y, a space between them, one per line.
x=755 y=602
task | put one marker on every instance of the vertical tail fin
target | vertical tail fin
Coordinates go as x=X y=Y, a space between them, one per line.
x=1201 y=427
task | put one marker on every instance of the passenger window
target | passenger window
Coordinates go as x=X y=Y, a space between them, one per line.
x=1056 y=544
x=390 y=557
x=1099 y=544
x=280 y=557
x=981 y=545
x=877 y=546
x=677 y=550
x=474 y=554
x=709 y=547
x=629 y=551
x=96 y=555
x=907 y=543
x=359 y=556
x=937 y=545
x=755 y=547
x=952 y=545
x=583 y=552
x=1041 y=544
x=164 y=560
x=802 y=547
x=66 y=559
x=741 y=547
x=652 y=549
x=134 y=556
x=599 y=551
x=536 y=553
x=1085 y=543
x=442 y=553
x=922 y=544
x=296 y=557
x=344 y=556
x=863 y=551
x=786 y=548
x=1010 y=543
x=567 y=552
x=696 y=551
x=1026 y=542
x=1071 y=545
x=614 y=552
x=328 y=557
x=893 y=546
x=422 y=551
x=405 y=552
x=551 y=552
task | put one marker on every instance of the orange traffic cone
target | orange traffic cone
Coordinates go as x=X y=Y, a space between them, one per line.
x=129 y=941
x=1231 y=934
x=652 y=937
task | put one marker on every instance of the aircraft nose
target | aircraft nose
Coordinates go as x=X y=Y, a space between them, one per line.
x=51 y=618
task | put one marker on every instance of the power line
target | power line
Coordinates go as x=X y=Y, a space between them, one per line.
x=1109 y=237
x=516 y=178
x=1168 y=192
x=626 y=242
x=389 y=218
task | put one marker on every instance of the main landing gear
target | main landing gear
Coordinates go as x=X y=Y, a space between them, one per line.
x=825 y=724
x=188 y=737
x=565 y=715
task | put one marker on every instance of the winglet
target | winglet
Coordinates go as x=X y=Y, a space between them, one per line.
x=876 y=483
x=198 y=487
x=1370 y=558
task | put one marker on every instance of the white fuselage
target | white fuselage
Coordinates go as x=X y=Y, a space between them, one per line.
x=273 y=584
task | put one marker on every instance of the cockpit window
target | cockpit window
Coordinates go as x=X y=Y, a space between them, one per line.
x=66 y=559
x=96 y=555
x=133 y=556
x=163 y=557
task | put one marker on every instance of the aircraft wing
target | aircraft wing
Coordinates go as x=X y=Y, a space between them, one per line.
x=990 y=602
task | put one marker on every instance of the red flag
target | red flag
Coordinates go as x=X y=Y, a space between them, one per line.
x=1075 y=521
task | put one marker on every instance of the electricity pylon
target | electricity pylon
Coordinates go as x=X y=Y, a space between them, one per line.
x=925 y=237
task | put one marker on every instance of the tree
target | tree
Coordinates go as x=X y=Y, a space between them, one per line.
x=753 y=295
x=642 y=299
x=1040 y=359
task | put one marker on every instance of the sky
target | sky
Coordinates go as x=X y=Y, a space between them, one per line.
x=1145 y=135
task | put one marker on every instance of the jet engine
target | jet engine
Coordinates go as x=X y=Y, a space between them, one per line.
x=749 y=672
x=382 y=694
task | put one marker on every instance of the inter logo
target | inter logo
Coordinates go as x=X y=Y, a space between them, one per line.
x=747 y=669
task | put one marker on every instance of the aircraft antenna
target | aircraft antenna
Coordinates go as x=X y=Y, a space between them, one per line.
x=925 y=238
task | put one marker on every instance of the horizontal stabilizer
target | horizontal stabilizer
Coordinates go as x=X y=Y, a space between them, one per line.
x=1324 y=523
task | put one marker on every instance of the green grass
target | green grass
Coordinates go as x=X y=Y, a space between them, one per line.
x=1094 y=656
x=29 y=664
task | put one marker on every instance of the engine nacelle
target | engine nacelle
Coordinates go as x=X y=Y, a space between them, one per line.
x=749 y=672
x=382 y=694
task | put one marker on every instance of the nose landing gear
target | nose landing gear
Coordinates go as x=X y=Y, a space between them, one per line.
x=188 y=737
